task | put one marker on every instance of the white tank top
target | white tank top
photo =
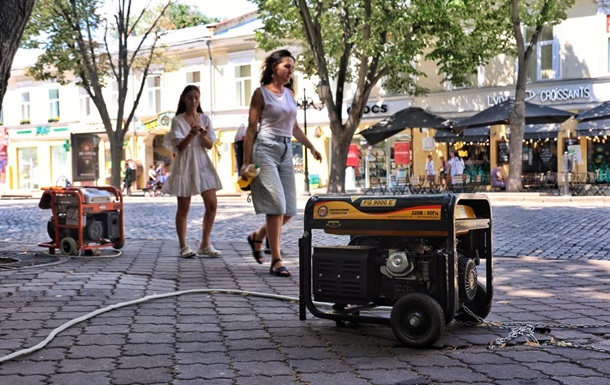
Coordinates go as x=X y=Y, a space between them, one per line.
x=280 y=113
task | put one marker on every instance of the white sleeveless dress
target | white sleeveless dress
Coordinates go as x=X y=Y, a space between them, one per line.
x=192 y=171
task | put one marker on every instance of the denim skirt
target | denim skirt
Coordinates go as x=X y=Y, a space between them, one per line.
x=274 y=190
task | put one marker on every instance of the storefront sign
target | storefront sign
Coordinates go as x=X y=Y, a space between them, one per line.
x=373 y=109
x=402 y=153
x=556 y=94
x=352 y=156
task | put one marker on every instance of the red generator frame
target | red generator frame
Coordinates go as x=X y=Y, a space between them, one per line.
x=84 y=218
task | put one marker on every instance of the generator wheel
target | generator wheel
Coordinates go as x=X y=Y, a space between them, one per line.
x=467 y=279
x=68 y=246
x=51 y=228
x=417 y=320
x=94 y=230
x=479 y=306
x=118 y=244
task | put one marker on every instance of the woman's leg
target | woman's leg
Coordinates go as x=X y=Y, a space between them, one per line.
x=211 y=204
x=182 y=212
x=274 y=234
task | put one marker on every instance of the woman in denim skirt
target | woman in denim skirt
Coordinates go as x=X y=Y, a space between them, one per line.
x=271 y=125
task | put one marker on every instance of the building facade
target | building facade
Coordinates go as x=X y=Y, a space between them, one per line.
x=570 y=71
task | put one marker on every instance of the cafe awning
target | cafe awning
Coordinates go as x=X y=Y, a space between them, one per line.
x=477 y=135
x=594 y=128
x=540 y=131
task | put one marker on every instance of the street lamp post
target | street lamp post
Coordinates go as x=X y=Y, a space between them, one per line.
x=305 y=103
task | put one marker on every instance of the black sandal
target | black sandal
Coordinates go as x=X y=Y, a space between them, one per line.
x=280 y=271
x=257 y=254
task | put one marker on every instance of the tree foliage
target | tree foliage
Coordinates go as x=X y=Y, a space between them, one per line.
x=370 y=41
x=14 y=15
x=80 y=38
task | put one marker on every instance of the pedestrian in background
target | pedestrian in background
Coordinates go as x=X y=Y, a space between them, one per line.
x=128 y=179
x=443 y=172
x=190 y=138
x=430 y=170
x=456 y=163
x=273 y=114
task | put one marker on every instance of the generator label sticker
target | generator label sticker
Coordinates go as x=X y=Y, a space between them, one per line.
x=375 y=209
x=378 y=203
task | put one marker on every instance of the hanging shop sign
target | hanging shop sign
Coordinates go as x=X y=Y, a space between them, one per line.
x=352 y=156
x=402 y=153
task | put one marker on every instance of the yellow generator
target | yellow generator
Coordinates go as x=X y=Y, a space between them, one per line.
x=410 y=262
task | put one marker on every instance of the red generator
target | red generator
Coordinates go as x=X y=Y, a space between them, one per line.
x=84 y=219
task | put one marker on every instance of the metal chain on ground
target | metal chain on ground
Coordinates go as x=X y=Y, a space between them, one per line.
x=528 y=329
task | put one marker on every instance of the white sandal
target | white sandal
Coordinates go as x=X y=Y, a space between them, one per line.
x=186 y=252
x=209 y=251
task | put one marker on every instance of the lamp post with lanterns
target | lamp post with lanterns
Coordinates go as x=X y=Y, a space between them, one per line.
x=306 y=103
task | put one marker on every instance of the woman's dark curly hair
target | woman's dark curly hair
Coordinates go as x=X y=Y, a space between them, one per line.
x=271 y=62
x=182 y=104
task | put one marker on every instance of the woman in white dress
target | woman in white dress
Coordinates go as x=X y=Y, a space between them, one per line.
x=190 y=138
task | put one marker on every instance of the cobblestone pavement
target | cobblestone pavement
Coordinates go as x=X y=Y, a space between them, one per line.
x=552 y=268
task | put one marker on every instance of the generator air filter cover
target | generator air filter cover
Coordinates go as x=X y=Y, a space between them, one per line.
x=345 y=274
x=95 y=196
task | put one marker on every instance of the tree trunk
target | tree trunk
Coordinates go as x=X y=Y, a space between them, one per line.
x=341 y=139
x=14 y=15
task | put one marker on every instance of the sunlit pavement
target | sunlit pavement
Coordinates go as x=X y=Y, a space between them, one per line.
x=552 y=268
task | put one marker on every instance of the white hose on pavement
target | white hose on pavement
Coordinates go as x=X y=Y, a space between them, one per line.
x=136 y=301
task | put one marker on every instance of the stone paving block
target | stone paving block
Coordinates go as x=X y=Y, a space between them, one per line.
x=445 y=375
x=204 y=372
x=26 y=367
x=19 y=380
x=319 y=366
x=93 y=351
x=80 y=378
x=141 y=376
x=193 y=347
x=560 y=369
x=153 y=338
x=247 y=344
x=392 y=376
x=337 y=378
x=134 y=362
x=263 y=380
x=86 y=365
x=258 y=355
x=269 y=368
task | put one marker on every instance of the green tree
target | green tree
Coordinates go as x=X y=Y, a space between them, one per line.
x=183 y=15
x=370 y=41
x=535 y=14
x=14 y=15
x=79 y=39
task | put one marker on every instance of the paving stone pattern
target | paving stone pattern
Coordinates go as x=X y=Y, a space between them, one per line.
x=551 y=268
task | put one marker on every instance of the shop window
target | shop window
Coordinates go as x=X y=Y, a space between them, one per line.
x=54 y=105
x=243 y=84
x=25 y=107
x=59 y=163
x=475 y=157
x=194 y=78
x=598 y=157
x=27 y=166
x=85 y=102
x=153 y=89
x=539 y=156
x=544 y=63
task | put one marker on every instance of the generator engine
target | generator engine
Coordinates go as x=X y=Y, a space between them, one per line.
x=380 y=271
